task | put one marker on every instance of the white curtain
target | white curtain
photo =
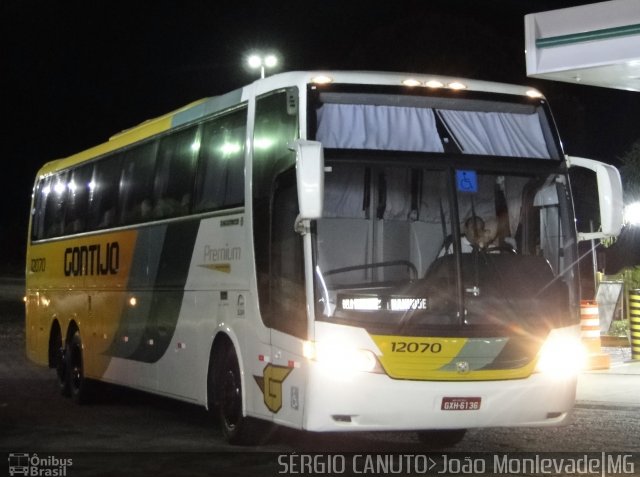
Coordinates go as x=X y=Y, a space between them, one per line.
x=344 y=192
x=364 y=126
x=497 y=134
x=398 y=128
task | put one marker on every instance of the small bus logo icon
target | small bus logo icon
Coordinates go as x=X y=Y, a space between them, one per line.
x=18 y=464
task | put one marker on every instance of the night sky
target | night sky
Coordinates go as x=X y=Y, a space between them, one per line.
x=76 y=72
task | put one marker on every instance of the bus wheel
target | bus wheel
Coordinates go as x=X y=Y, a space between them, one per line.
x=236 y=428
x=76 y=381
x=58 y=360
x=61 y=371
x=441 y=438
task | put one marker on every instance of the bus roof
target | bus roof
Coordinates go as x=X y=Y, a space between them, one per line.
x=386 y=78
x=301 y=79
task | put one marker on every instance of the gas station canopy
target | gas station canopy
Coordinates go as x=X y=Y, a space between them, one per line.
x=596 y=44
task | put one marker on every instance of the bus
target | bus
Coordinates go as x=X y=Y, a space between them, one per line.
x=326 y=251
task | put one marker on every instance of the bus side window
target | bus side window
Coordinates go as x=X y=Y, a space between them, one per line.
x=221 y=166
x=43 y=188
x=54 y=208
x=175 y=168
x=75 y=220
x=136 y=184
x=103 y=193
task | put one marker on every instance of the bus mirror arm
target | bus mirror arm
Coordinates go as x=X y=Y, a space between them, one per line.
x=301 y=226
x=309 y=177
x=609 y=197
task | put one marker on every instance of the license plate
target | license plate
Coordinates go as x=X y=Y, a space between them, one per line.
x=460 y=403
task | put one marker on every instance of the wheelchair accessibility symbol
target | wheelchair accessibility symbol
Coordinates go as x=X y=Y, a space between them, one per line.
x=466 y=181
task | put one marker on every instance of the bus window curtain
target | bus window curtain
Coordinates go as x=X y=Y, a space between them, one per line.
x=497 y=134
x=391 y=128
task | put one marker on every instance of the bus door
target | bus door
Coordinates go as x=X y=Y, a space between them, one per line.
x=287 y=314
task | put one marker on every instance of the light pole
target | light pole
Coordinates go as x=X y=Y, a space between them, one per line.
x=262 y=62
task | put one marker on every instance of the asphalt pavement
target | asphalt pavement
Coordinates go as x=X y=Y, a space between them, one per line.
x=617 y=385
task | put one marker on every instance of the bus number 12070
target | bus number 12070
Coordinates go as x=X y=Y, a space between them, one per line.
x=415 y=347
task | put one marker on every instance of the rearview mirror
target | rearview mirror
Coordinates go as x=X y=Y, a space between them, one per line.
x=609 y=197
x=310 y=177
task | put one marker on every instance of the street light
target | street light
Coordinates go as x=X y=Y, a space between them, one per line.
x=262 y=62
x=632 y=213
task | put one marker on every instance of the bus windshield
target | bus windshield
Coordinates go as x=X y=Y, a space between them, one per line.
x=446 y=212
x=399 y=249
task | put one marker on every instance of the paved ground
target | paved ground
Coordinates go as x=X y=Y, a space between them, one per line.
x=619 y=385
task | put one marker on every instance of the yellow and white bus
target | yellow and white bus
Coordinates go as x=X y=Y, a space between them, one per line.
x=335 y=251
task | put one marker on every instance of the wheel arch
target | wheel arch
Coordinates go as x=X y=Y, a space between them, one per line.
x=71 y=329
x=222 y=342
x=55 y=342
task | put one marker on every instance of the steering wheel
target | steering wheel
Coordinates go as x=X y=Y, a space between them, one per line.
x=501 y=249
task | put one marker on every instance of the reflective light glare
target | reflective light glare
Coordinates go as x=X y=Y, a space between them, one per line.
x=262 y=143
x=411 y=82
x=230 y=148
x=561 y=355
x=632 y=214
x=321 y=79
x=133 y=301
x=434 y=84
x=457 y=85
x=308 y=350
x=195 y=146
x=534 y=93
x=59 y=188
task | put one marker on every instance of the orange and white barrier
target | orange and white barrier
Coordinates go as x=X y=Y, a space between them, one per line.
x=590 y=334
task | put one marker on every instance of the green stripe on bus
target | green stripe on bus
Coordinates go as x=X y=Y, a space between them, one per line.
x=164 y=251
x=581 y=37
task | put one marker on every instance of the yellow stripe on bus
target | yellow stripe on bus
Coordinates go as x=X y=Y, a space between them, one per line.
x=439 y=359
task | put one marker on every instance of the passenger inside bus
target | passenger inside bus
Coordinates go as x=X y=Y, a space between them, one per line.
x=477 y=234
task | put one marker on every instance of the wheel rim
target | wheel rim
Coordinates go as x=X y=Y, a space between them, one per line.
x=231 y=401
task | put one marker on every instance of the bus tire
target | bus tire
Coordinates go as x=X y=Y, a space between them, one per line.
x=237 y=428
x=441 y=438
x=61 y=371
x=58 y=360
x=79 y=386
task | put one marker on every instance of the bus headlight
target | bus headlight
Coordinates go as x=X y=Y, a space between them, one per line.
x=561 y=355
x=342 y=358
